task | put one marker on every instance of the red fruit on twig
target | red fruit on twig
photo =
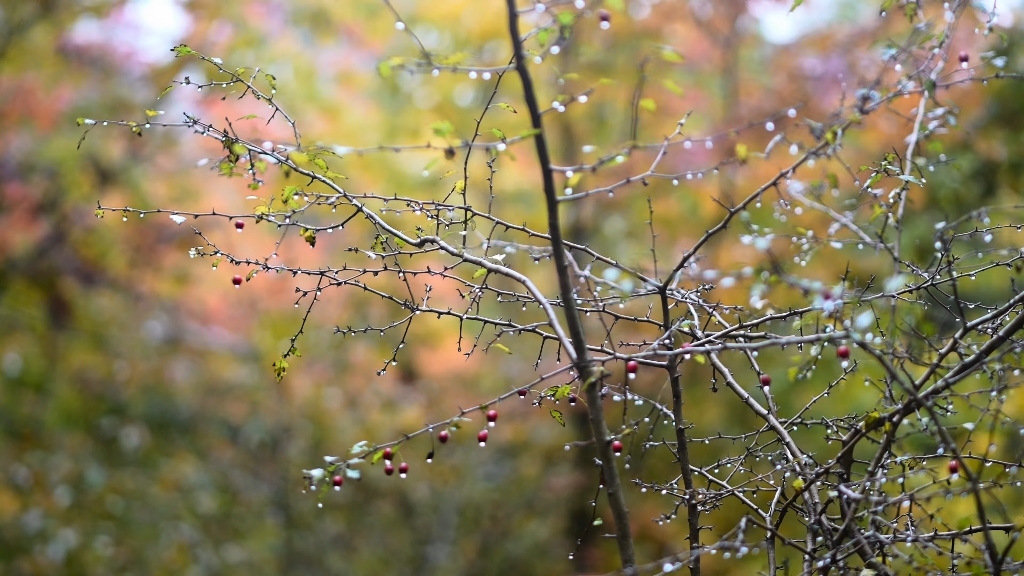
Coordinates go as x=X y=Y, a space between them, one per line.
x=766 y=380
x=482 y=437
x=443 y=436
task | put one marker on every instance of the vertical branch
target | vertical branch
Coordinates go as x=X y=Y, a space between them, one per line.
x=579 y=353
x=682 y=448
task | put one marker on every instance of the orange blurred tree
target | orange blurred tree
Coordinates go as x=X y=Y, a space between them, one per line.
x=802 y=244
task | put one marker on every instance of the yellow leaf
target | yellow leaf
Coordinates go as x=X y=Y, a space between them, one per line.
x=742 y=152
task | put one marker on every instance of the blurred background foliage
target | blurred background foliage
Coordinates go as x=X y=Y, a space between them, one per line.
x=141 y=427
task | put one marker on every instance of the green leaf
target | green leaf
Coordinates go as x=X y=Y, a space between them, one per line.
x=833 y=180
x=99 y=213
x=376 y=456
x=672 y=86
x=529 y=132
x=479 y=272
x=498 y=134
x=378 y=243
x=557 y=415
x=871 y=420
x=460 y=186
x=572 y=182
x=562 y=391
x=151 y=113
x=247 y=117
x=271 y=80
x=280 y=368
x=309 y=236
x=335 y=176
x=648 y=104
x=542 y=36
x=668 y=54
x=442 y=129
x=250 y=275
x=446 y=174
x=598 y=522
x=506 y=107
x=182 y=50
x=796 y=4
x=320 y=163
x=384 y=69
x=166 y=90
x=502 y=347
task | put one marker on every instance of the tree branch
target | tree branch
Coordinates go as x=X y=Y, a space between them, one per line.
x=580 y=355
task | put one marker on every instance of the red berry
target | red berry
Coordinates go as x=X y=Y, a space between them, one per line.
x=766 y=380
x=443 y=436
x=572 y=399
x=388 y=468
x=617 y=447
x=522 y=393
x=403 y=469
x=237 y=280
x=964 y=57
x=492 y=416
x=239 y=225
x=337 y=481
x=482 y=437
x=954 y=467
x=388 y=454
x=604 y=15
x=632 y=366
x=843 y=352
